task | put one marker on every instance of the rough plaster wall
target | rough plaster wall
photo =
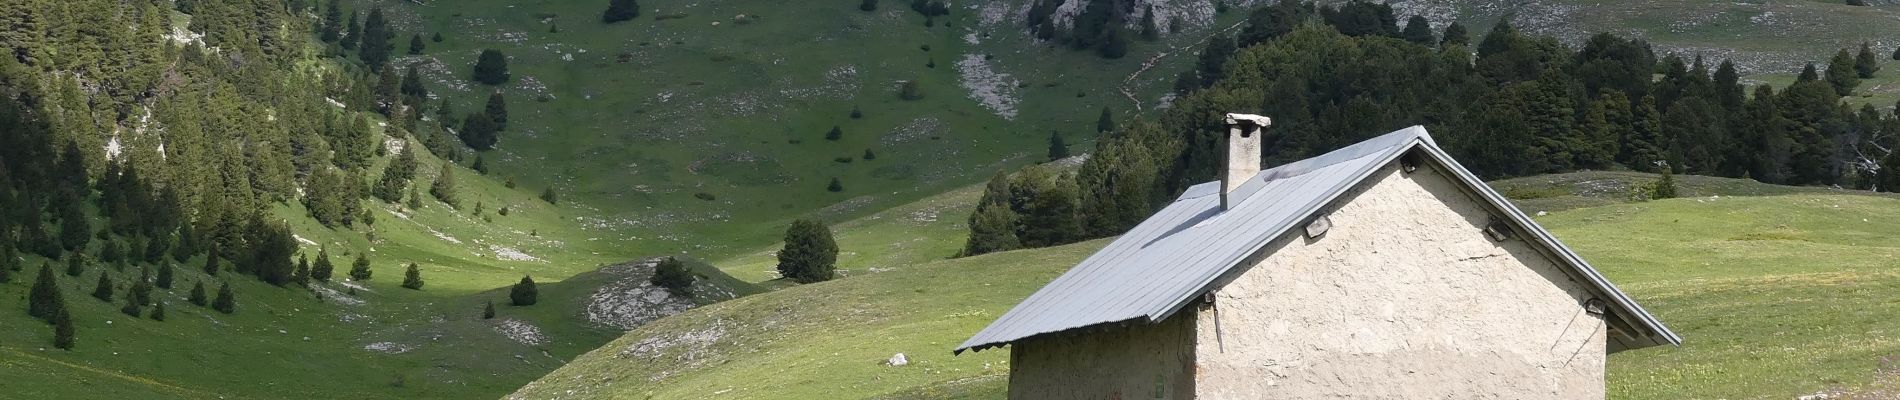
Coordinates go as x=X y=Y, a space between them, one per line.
x=1405 y=297
x=1116 y=362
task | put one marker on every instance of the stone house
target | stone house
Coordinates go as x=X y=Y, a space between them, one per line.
x=1380 y=270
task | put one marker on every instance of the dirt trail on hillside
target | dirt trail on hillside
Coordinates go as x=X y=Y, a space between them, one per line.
x=1150 y=63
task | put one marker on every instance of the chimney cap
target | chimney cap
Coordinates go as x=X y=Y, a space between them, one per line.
x=1248 y=119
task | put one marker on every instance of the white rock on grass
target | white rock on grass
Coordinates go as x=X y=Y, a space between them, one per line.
x=521 y=332
x=898 y=360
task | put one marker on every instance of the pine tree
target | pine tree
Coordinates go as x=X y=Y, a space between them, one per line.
x=835 y=186
x=63 y=329
x=359 y=269
x=497 y=109
x=1057 y=148
x=321 y=269
x=227 y=301
x=479 y=131
x=488 y=312
x=548 y=195
x=301 y=276
x=437 y=38
x=1210 y=67
x=141 y=290
x=397 y=175
x=834 y=134
x=622 y=10
x=993 y=224
x=1418 y=30
x=1865 y=63
x=1455 y=35
x=1643 y=148
x=809 y=254
x=859 y=114
x=491 y=67
x=103 y=289
x=412 y=279
x=75 y=264
x=132 y=308
x=44 y=300
x=74 y=230
x=8 y=262
x=1841 y=75
x=868 y=155
x=376 y=46
x=158 y=312
x=1665 y=186
x=415 y=44
x=444 y=187
x=332 y=27
x=1106 y=122
x=197 y=297
x=524 y=292
x=1150 y=30
x=353 y=32
x=211 y=262
x=672 y=275
x=1050 y=217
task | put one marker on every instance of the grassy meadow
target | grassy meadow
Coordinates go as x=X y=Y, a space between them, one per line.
x=1778 y=292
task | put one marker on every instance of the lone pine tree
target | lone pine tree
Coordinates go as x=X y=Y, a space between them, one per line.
x=227 y=300
x=412 y=279
x=158 y=311
x=524 y=293
x=1057 y=148
x=44 y=300
x=63 y=330
x=444 y=187
x=491 y=67
x=488 y=312
x=810 y=253
x=103 y=289
x=197 y=294
x=359 y=269
x=321 y=269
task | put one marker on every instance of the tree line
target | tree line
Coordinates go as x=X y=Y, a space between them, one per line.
x=1514 y=105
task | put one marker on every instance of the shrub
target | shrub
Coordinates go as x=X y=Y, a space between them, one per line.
x=810 y=253
x=412 y=279
x=524 y=293
x=704 y=196
x=672 y=275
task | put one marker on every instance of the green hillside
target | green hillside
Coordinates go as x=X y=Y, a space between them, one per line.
x=701 y=126
x=1776 y=296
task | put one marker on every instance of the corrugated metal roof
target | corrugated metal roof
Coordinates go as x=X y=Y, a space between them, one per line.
x=1177 y=254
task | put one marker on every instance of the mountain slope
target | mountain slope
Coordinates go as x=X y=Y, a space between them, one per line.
x=1733 y=274
x=707 y=120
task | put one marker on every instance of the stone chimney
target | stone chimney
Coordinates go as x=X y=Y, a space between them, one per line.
x=1243 y=153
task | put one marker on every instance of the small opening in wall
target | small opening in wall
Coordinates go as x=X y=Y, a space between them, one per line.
x=1318 y=227
x=1409 y=163
x=1498 y=231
